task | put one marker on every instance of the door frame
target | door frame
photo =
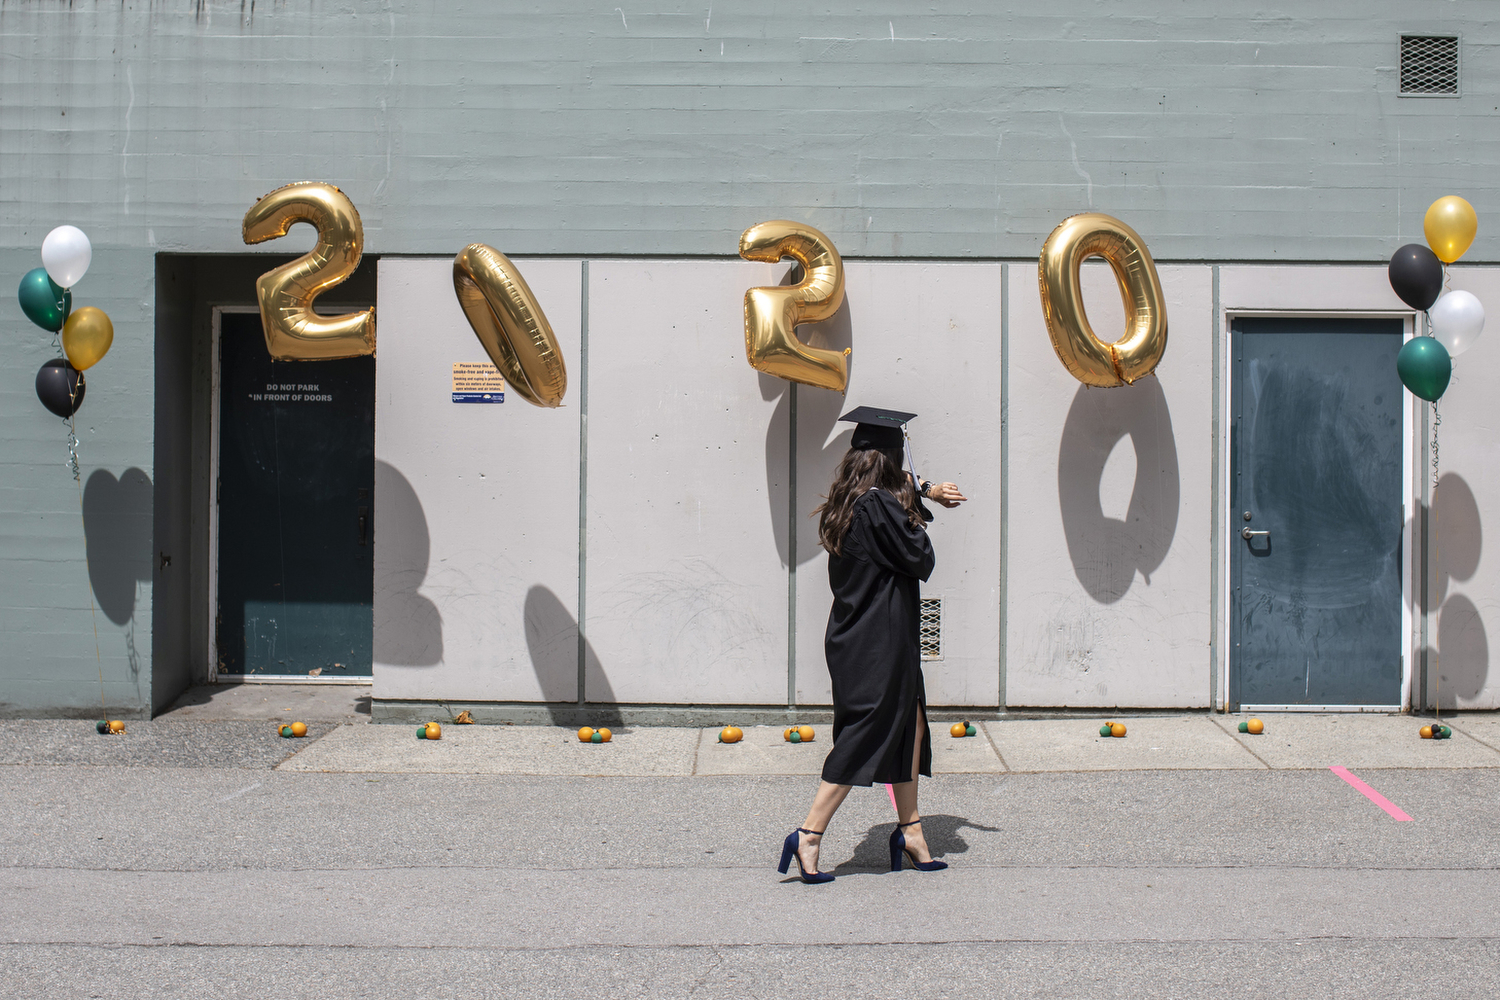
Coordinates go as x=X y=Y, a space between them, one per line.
x=214 y=676
x=1315 y=292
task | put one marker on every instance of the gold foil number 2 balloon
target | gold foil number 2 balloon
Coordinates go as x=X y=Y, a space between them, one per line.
x=1086 y=357
x=510 y=324
x=293 y=331
x=773 y=313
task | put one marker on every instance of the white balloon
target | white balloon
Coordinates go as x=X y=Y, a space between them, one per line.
x=1457 y=320
x=66 y=254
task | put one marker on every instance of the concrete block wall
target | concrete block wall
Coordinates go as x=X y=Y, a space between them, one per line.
x=1110 y=529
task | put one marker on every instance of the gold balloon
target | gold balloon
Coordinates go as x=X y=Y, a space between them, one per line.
x=510 y=324
x=772 y=314
x=86 y=337
x=1450 y=225
x=1083 y=354
x=293 y=331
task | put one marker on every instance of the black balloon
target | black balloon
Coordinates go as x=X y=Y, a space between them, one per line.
x=60 y=387
x=1417 y=276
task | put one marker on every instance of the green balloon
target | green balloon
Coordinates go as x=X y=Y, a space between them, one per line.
x=43 y=302
x=1425 y=367
x=971 y=731
x=422 y=733
x=101 y=726
x=796 y=736
x=1244 y=727
x=598 y=737
x=1105 y=731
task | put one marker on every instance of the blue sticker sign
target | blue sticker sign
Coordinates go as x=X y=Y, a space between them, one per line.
x=477 y=382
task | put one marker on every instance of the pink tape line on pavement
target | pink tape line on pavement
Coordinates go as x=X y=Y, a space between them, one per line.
x=1372 y=795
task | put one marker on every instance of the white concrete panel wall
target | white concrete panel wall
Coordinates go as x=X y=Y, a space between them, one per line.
x=476 y=505
x=926 y=338
x=1463 y=608
x=687 y=490
x=1109 y=517
x=1465 y=592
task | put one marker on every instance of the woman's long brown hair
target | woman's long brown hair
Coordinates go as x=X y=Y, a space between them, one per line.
x=861 y=469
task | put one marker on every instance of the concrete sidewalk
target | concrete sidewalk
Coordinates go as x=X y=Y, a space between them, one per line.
x=1171 y=742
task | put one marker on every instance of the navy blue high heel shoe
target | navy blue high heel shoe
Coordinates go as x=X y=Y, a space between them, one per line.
x=789 y=851
x=898 y=848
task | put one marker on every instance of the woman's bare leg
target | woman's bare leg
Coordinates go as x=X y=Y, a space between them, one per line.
x=906 y=796
x=825 y=803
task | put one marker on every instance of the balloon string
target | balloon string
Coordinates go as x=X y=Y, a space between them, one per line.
x=1437 y=560
x=93 y=615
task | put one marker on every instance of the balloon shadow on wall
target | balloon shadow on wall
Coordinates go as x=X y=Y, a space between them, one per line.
x=408 y=626
x=817 y=412
x=117 y=533
x=1107 y=552
x=552 y=640
x=117 y=527
x=1462 y=655
x=1463 y=650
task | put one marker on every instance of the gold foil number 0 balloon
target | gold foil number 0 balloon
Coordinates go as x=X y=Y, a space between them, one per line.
x=1086 y=357
x=293 y=331
x=510 y=324
x=773 y=313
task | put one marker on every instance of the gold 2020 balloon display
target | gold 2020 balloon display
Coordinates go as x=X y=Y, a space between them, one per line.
x=772 y=314
x=293 y=331
x=1083 y=354
x=510 y=324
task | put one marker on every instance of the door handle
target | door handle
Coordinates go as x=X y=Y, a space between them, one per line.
x=1247 y=534
x=364 y=524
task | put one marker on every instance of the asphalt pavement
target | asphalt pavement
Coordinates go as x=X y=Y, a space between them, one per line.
x=208 y=857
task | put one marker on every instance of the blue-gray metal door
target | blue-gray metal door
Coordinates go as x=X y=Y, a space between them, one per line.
x=296 y=572
x=1316 y=512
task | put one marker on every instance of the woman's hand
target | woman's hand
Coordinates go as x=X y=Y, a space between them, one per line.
x=946 y=494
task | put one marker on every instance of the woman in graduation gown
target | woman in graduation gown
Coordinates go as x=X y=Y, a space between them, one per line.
x=874 y=528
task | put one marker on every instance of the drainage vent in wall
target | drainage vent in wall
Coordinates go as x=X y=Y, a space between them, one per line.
x=931 y=634
x=1429 y=65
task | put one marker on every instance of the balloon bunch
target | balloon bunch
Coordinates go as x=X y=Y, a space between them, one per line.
x=47 y=300
x=1456 y=318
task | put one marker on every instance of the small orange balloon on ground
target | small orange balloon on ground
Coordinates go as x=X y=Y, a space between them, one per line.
x=299 y=729
x=606 y=734
x=585 y=734
x=731 y=734
x=807 y=733
x=1117 y=729
x=1426 y=732
x=958 y=729
x=116 y=726
x=434 y=731
x=1255 y=726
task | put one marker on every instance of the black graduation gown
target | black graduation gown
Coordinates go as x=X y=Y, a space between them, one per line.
x=872 y=645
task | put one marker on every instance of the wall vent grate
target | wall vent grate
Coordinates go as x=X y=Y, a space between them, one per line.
x=1429 y=65
x=930 y=636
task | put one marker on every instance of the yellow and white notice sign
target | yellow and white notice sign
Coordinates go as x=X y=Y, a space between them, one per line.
x=477 y=382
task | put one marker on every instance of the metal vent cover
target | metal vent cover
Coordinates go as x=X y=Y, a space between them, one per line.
x=930 y=636
x=1429 y=65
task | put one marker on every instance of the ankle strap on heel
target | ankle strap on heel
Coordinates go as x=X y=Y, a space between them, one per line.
x=815 y=833
x=912 y=823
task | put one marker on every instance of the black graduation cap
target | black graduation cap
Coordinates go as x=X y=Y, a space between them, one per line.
x=877 y=428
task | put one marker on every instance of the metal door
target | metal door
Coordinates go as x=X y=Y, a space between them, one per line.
x=295 y=510
x=1316 y=513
